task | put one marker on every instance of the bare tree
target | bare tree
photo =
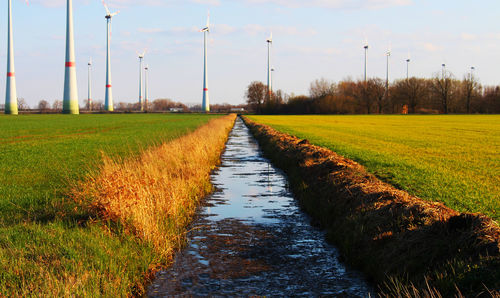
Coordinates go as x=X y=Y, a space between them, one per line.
x=22 y=105
x=411 y=92
x=470 y=88
x=256 y=94
x=57 y=105
x=376 y=91
x=43 y=106
x=321 y=87
x=442 y=85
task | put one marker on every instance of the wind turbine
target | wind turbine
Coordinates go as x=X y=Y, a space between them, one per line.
x=70 y=99
x=108 y=103
x=269 y=44
x=388 y=54
x=408 y=67
x=10 y=90
x=206 y=100
x=366 y=55
x=141 y=57
x=146 y=98
x=89 y=98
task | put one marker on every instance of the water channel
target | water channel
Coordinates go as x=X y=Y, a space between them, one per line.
x=251 y=239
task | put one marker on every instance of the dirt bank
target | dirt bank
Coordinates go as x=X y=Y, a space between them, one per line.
x=407 y=245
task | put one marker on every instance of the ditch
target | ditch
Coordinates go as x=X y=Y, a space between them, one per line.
x=250 y=238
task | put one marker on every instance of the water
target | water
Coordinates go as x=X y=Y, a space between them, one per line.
x=251 y=239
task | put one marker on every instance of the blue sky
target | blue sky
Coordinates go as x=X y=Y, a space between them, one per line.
x=312 y=39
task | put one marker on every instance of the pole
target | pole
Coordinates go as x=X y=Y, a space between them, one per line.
x=89 y=98
x=10 y=90
x=70 y=99
x=407 y=69
x=387 y=73
x=108 y=102
x=269 y=86
x=146 y=98
x=272 y=79
x=206 y=101
x=141 y=104
x=366 y=57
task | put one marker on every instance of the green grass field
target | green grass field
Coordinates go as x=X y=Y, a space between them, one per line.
x=46 y=247
x=452 y=159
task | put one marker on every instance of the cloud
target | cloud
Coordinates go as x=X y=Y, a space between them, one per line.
x=207 y=2
x=336 y=4
x=125 y=3
x=430 y=47
x=256 y=29
x=468 y=36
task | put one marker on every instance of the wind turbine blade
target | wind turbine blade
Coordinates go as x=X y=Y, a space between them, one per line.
x=208 y=19
x=115 y=13
x=106 y=7
x=27 y=2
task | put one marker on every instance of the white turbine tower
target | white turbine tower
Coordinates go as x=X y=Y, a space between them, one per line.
x=89 y=98
x=206 y=101
x=70 y=99
x=366 y=56
x=10 y=90
x=269 y=83
x=146 y=98
x=108 y=103
x=141 y=97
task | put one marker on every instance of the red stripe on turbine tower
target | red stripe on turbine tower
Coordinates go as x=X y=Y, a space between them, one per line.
x=11 y=74
x=205 y=89
x=70 y=64
x=108 y=86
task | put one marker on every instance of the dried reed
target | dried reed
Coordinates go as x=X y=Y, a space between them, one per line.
x=156 y=194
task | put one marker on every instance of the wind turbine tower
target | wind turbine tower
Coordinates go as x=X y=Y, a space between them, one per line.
x=89 y=98
x=146 y=98
x=70 y=99
x=108 y=103
x=366 y=56
x=388 y=54
x=206 y=100
x=141 y=57
x=269 y=82
x=11 y=91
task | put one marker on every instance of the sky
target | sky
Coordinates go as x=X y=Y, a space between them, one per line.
x=312 y=39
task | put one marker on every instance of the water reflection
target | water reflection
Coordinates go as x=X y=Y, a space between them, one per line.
x=251 y=239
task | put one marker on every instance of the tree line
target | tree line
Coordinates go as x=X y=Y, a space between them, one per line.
x=442 y=94
x=158 y=105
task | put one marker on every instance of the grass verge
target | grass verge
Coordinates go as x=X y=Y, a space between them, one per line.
x=453 y=159
x=52 y=244
x=407 y=245
x=155 y=195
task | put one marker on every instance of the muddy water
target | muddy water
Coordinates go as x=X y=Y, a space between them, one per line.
x=251 y=239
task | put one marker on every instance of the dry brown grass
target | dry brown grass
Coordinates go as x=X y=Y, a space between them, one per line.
x=155 y=195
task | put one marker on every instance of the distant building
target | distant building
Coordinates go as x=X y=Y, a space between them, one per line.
x=238 y=110
x=176 y=110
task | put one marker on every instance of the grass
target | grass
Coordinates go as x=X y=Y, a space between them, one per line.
x=49 y=245
x=407 y=245
x=452 y=159
x=156 y=194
